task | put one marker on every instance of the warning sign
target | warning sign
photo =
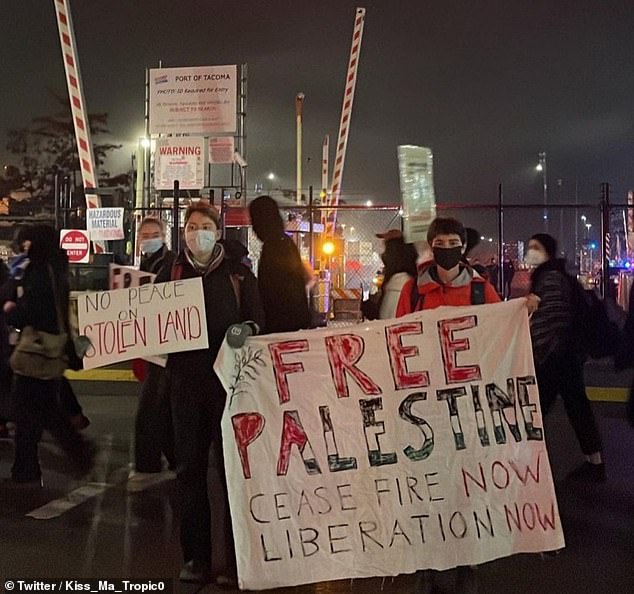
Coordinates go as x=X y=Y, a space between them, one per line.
x=76 y=244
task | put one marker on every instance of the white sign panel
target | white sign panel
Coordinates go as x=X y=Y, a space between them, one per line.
x=199 y=100
x=105 y=224
x=182 y=160
x=387 y=447
x=416 y=171
x=141 y=321
x=124 y=277
x=222 y=150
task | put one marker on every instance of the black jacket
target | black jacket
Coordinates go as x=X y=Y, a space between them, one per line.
x=282 y=282
x=221 y=303
x=552 y=323
x=37 y=306
x=155 y=262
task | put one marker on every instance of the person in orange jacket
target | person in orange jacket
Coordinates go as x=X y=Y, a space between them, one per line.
x=447 y=279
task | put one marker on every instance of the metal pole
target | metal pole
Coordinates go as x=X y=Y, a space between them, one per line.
x=58 y=199
x=147 y=144
x=500 y=239
x=242 y=135
x=299 y=116
x=176 y=235
x=311 y=244
x=605 y=238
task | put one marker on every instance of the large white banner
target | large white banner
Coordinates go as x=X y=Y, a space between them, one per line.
x=142 y=321
x=386 y=447
x=416 y=172
x=182 y=160
x=200 y=100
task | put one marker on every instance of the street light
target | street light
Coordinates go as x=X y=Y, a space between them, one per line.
x=541 y=168
x=270 y=176
x=369 y=203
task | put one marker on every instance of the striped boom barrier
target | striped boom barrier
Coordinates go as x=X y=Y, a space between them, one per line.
x=77 y=105
x=344 y=124
x=325 y=157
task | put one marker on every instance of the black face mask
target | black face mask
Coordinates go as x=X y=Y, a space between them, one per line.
x=447 y=258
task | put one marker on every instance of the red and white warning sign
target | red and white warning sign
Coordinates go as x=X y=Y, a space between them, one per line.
x=77 y=245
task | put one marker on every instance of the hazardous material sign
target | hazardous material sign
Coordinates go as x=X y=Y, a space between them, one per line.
x=105 y=224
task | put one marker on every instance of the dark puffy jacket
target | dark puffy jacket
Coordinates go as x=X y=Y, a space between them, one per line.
x=155 y=262
x=282 y=282
x=552 y=323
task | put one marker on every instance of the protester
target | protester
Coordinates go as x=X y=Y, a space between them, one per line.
x=447 y=280
x=153 y=423
x=155 y=255
x=281 y=274
x=43 y=306
x=493 y=270
x=508 y=269
x=6 y=376
x=197 y=398
x=558 y=362
x=399 y=259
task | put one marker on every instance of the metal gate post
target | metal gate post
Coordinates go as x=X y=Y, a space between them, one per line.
x=605 y=239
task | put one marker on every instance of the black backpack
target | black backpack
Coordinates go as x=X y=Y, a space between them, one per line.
x=477 y=296
x=594 y=333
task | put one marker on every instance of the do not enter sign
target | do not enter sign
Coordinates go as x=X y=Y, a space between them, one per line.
x=77 y=245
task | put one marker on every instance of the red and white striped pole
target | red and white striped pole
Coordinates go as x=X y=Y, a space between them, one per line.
x=77 y=104
x=344 y=124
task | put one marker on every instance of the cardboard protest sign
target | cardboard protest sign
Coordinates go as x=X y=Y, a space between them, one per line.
x=386 y=447
x=416 y=173
x=142 y=321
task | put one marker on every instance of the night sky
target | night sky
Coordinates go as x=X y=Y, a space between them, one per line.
x=487 y=85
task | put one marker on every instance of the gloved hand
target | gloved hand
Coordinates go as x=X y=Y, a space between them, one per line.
x=237 y=334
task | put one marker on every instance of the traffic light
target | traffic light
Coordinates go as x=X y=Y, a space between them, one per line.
x=332 y=247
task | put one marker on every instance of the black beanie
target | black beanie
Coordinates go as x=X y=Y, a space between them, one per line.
x=549 y=243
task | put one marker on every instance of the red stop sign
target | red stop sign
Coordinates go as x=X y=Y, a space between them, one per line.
x=77 y=245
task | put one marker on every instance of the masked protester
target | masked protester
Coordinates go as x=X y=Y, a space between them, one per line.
x=155 y=255
x=448 y=279
x=558 y=364
x=197 y=397
x=153 y=424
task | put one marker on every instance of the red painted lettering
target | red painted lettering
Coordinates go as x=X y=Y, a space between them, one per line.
x=403 y=379
x=247 y=427
x=344 y=352
x=282 y=369
x=454 y=373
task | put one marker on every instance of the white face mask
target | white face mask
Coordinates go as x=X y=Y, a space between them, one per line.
x=535 y=258
x=201 y=242
x=151 y=246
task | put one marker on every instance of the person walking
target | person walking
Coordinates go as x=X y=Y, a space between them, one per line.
x=43 y=306
x=197 y=398
x=281 y=274
x=558 y=362
x=508 y=269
